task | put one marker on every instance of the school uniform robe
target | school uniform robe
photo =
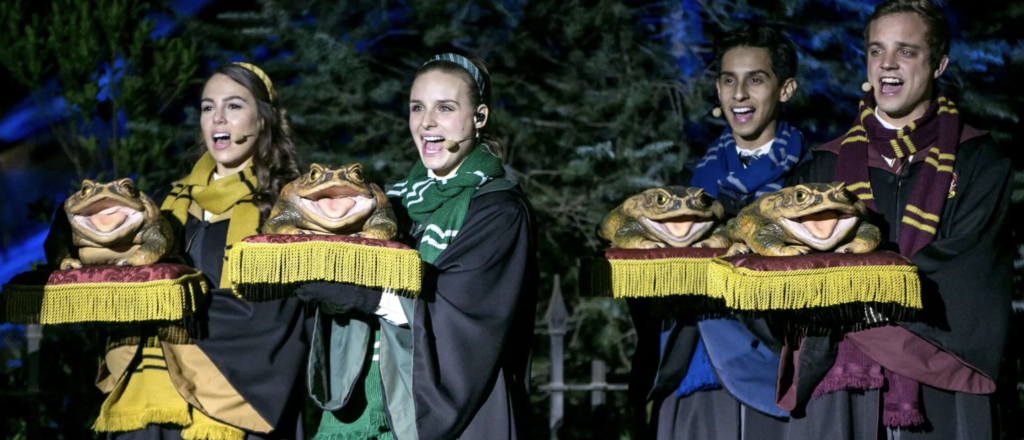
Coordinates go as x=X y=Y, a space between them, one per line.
x=966 y=280
x=473 y=325
x=244 y=360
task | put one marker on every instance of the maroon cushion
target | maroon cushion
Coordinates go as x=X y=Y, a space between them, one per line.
x=809 y=302
x=817 y=261
x=669 y=252
x=157 y=292
x=280 y=238
x=103 y=274
x=597 y=275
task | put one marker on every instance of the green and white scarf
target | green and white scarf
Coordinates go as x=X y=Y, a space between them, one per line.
x=440 y=204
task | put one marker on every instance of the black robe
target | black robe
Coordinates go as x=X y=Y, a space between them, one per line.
x=966 y=279
x=260 y=348
x=473 y=327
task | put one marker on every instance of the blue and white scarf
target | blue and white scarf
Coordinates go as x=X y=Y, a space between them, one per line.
x=721 y=172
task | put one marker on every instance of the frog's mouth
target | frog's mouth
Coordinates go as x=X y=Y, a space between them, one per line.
x=337 y=204
x=108 y=218
x=822 y=230
x=680 y=231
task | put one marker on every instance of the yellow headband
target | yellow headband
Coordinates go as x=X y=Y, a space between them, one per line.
x=263 y=76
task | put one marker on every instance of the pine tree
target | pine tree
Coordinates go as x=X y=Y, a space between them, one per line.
x=115 y=82
x=120 y=91
x=595 y=100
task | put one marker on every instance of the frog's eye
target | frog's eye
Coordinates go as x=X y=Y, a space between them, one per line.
x=356 y=175
x=801 y=196
x=128 y=188
x=86 y=190
x=314 y=174
x=662 y=199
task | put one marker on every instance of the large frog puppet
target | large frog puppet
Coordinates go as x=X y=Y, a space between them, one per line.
x=109 y=223
x=795 y=220
x=333 y=202
x=672 y=216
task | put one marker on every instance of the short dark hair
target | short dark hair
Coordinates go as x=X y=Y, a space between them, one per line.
x=781 y=50
x=932 y=15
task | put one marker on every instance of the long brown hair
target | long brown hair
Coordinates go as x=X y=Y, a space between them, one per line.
x=488 y=135
x=274 y=162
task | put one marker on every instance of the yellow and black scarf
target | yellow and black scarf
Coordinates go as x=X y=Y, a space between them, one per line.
x=235 y=193
x=145 y=395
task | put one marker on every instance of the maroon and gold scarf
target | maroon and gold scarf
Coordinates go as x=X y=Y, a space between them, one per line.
x=936 y=134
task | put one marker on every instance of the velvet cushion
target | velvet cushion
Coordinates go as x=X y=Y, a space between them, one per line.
x=848 y=291
x=651 y=273
x=270 y=267
x=662 y=253
x=162 y=291
x=284 y=239
x=817 y=261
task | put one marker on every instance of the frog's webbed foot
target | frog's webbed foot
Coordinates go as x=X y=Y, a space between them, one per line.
x=640 y=243
x=738 y=248
x=70 y=263
x=629 y=239
x=715 y=241
x=139 y=259
x=287 y=230
x=856 y=246
x=646 y=244
x=374 y=233
x=792 y=250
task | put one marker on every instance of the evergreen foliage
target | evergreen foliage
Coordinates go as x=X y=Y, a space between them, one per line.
x=114 y=82
x=594 y=99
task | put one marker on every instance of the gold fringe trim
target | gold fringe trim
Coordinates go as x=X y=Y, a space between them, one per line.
x=745 y=289
x=651 y=278
x=212 y=432
x=160 y=300
x=132 y=422
x=143 y=396
x=205 y=428
x=291 y=263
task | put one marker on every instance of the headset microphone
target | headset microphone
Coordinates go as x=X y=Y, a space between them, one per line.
x=450 y=144
x=239 y=137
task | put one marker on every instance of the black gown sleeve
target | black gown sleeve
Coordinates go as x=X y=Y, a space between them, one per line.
x=474 y=323
x=338 y=298
x=970 y=266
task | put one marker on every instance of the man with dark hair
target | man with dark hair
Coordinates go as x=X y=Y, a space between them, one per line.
x=940 y=192
x=712 y=378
